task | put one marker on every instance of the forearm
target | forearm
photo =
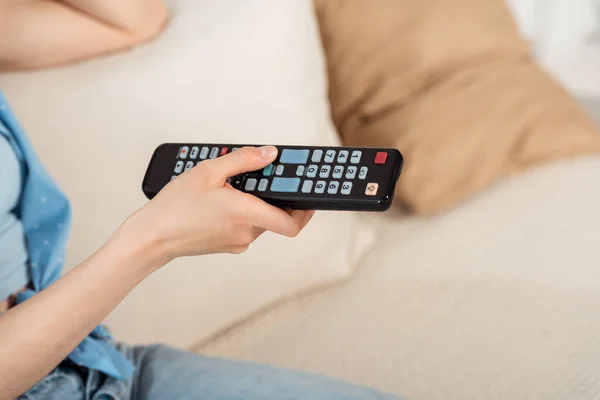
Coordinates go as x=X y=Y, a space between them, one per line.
x=38 y=334
x=127 y=15
x=39 y=33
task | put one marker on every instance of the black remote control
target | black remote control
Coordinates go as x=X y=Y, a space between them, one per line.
x=301 y=177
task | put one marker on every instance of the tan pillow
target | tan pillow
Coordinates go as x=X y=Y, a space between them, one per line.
x=452 y=85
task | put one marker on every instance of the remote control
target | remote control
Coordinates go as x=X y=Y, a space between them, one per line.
x=301 y=177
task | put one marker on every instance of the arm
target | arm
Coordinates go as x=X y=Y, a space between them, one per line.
x=42 y=33
x=195 y=214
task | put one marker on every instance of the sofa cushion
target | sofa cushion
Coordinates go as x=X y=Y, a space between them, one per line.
x=497 y=299
x=452 y=85
x=244 y=71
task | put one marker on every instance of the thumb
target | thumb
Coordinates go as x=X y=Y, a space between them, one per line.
x=246 y=159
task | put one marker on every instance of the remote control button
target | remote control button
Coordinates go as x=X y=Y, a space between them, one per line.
x=228 y=180
x=307 y=186
x=316 y=157
x=329 y=156
x=333 y=187
x=183 y=153
x=351 y=172
x=224 y=151
x=262 y=186
x=234 y=149
x=286 y=185
x=346 y=188
x=189 y=165
x=311 y=171
x=194 y=152
x=324 y=173
x=320 y=187
x=300 y=170
x=338 y=171
x=279 y=170
x=179 y=167
x=268 y=170
x=343 y=157
x=204 y=153
x=380 y=157
x=363 y=173
x=371 y=189
x=250 y=185
x=289 y=156
x=214 y=152
x=356 y=155
x=173 y=177
x=198 y=163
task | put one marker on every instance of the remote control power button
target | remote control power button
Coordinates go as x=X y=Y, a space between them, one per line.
x=183 y=152
x=372 y=189
x=224 y=151
x=380 y=157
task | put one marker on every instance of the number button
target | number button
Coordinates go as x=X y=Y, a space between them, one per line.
x=204 y=153
x=320 y=187
x=194 y=153
x=346 y=188
x=311 y=171
x=343 y=156
x=356 y=155
x=307 y=186
x=183 y=153
x=329 y=156
x=324 y=173
x=279 y=170
x=214 y=152
x=300 y=170
x=189 y=165
x=333 y=187
x=338 y=171
x=351 y=172
x=316 y=157
x=179 y=167
x=363 y=173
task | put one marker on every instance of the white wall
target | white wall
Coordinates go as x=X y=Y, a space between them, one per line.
x=565 y=35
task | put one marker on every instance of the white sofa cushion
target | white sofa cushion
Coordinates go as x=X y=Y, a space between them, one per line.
x=248 y=71
x=495 y=300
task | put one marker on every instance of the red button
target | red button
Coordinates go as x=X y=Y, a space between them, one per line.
x=380 y=157
x=224 y=151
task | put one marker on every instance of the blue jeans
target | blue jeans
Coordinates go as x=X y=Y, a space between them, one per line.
x=170 y=374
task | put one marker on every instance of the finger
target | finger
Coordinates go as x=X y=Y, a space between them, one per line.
x=242 y=160
x=265 y=216
x=303 y=217
x=256 y=232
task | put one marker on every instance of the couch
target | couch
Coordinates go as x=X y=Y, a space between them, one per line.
x=496 y=298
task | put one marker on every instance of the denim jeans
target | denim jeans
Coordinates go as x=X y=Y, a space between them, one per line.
x=166 y=373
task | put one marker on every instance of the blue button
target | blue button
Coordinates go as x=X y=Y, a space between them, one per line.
x=288 y=185
x=294 y=156
x=268 y=171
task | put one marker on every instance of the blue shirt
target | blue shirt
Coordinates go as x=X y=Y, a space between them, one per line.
x=45 y=215
x=13 y=249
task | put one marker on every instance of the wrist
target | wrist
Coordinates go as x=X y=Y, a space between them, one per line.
x=140 y=245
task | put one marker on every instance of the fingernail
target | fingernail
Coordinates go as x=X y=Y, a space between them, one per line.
x=268 y=152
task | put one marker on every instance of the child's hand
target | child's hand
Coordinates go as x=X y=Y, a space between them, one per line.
x=198 y=213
